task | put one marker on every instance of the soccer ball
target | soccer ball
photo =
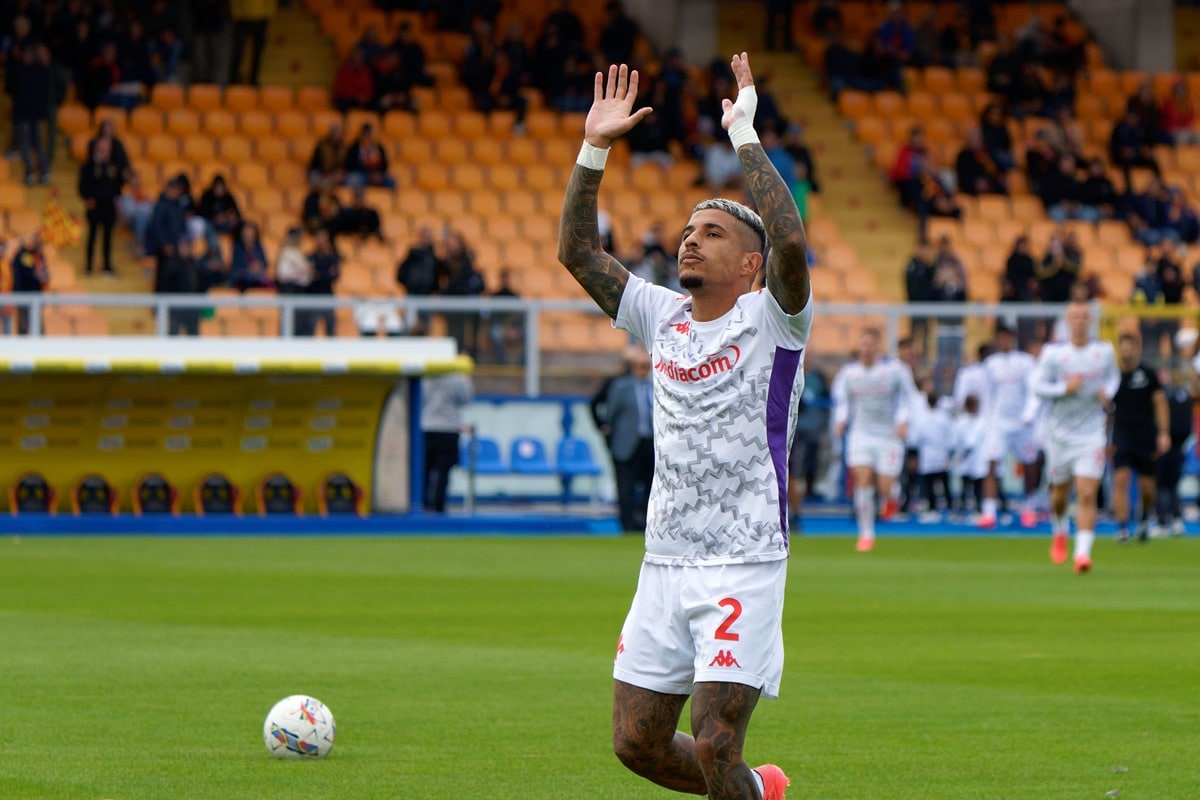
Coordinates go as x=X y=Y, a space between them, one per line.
x=299 y=727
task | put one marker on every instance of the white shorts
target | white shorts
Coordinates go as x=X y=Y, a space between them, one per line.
x=722 y=623
x=1018 y=441
x=1080 y=459
x=884 y=454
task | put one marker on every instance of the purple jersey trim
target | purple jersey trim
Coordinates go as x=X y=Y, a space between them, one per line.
x=779 y=407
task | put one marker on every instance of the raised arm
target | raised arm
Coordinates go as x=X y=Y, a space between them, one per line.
x=579 y=248
x=787 y=259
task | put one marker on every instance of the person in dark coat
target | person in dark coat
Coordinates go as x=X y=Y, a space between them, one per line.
x=168 y=227
x=100 y=182
x=31 y=110
x=629 y=408
x=29 y=274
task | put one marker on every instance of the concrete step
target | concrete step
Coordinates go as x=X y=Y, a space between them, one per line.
x=297 y=53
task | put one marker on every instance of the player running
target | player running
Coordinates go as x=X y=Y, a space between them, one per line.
x=1141 y=433
x=873 y=399
x=1008 y=371
x=727 y=373
x=1079 y=377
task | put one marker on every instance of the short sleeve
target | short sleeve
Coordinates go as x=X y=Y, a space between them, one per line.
x=643 y=306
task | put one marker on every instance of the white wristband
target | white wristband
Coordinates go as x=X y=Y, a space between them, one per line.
x=742 y=132
x=592 y=157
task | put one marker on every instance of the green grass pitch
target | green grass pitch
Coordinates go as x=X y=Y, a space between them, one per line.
x=142 y=668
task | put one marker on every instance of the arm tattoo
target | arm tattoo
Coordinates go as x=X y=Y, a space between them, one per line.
x=579 y=249
x=787 y=263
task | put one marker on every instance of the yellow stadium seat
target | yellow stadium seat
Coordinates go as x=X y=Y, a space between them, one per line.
x=570 y=125
x=241 y=98
x=114 y=115
x=889 y=104
x=219 y=123
x=501 y=122
x=321 y=120
x=250 y=176
x=203 y=96
x=922 y=105
x=523 y=151
x=938 y=80
x=235 y=149
x=487 y=150
x=289 y=175
x=957 y=106
x=312 y=97
x=468 y=177
x=399 y=124
x=276 y=99
x=504 y=177
x=415 y=151
x=523 y=203
x=994 y=207
x=542 y=124
x=182 y=122
x=971 y=80
x=560 y=151
x=450 y=150
x=469 y=125
x=291 y=124
x=433 y=123
x=485 y=202
x=455 y=99
x=870 y=129
x=271 y=150
x=74 y=119
x=255 y=124
x=197 y=148
x=146 y=121
x=448 y=203
x=854 y=104
x=357 y=117
x=166 y=96
x=160 y=148
x=432 y=177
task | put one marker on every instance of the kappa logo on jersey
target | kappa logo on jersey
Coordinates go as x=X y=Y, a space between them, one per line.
x=720 y=362
x=620 y=645
x=682 y=327
x=724 y=658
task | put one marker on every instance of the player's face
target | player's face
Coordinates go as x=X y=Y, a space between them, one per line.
x=714 y=251
x=868 y=346
x=1129 y=352
x=1079 y=319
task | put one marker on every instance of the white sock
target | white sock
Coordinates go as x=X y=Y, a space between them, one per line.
x=1059 y=524
x=864 y=511
x=1083 y=543
x=989 y=506
x=758 y=781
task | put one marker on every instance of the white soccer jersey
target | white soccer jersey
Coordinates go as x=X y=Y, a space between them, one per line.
x=972 y=379
x=872 y=401
x=1008 y=384
x=970 y=440
x=929 y=432
x=1078 y=416
x=725 y=401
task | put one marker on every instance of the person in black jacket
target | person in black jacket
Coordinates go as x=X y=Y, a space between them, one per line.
x=29 y=274
x=918 y=286
x=100 y=181
x=31 y=109
x=327 y=269
x=168 y=227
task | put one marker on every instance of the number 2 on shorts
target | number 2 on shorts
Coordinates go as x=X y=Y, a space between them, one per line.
x=735 y=611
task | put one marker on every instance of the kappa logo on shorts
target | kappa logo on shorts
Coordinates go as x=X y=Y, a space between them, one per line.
x=724 y=658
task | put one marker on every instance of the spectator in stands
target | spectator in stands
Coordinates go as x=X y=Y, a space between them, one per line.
x=1177 y=115
x=371 y=46
x=947 y=258
x=1062 y=193
x=1041 y=159
x=168 y=227
x=918 y=288
x=949 y=286
x=411 y=56
x=842 y=69
x=422 y=272
x=506 y=329
x=100 y=182
x=1002 y=71
x=1143 y=105
x=1127 y=148
x=107 y=130
x=956 y=47
x=1060 y=269
x=1027 y=94
x=993 y=127
x=210 y=266
x=248 y=269
x=793 y=140
x=778 y=32
x=779 y=157
x=462 y=280
x=29 y=274
x=548 y=67
x=905 y=173
x=977 y=172
x=722 y=168
x=567 y=23
x=166 y=47
x=354 y=83
x=219 y=207
x=619 y=34
x=1066 y=134
x=650 y=140
x=1182 y=218
x=250 y=20
x=443 y=399
x=1148 y=215
x=1098 y=189
x=1019 y=284
x=895 y=40
x=322 y=209
x=367 y=162
x=496 y=86
x=329 y=156
x=926 y=44
x=104 y=84
x=827 y=19
x=134 y=207
x=359 y=219
x=210 y=41
x=326 y=269
x=393 y=89
x=1171 y=281
x=31 y=109
x=293 y=270
x=135 y=56
x=1148 y=292
x=629 y=407
x=1058 y=96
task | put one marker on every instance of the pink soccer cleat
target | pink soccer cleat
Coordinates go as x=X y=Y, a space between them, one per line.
x=890 y=509
x=987 y=521
x=1029 y=518
x=1083 y=564
x=1058 y=548
x=865 y=544
x=775 y=783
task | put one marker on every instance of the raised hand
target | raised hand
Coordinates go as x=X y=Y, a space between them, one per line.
x=747 y=102
x=612 y=114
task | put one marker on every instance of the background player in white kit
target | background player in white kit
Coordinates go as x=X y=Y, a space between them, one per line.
x=873 y=398
x=1008 y=371
x=727 y=373
x=1079 y=377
